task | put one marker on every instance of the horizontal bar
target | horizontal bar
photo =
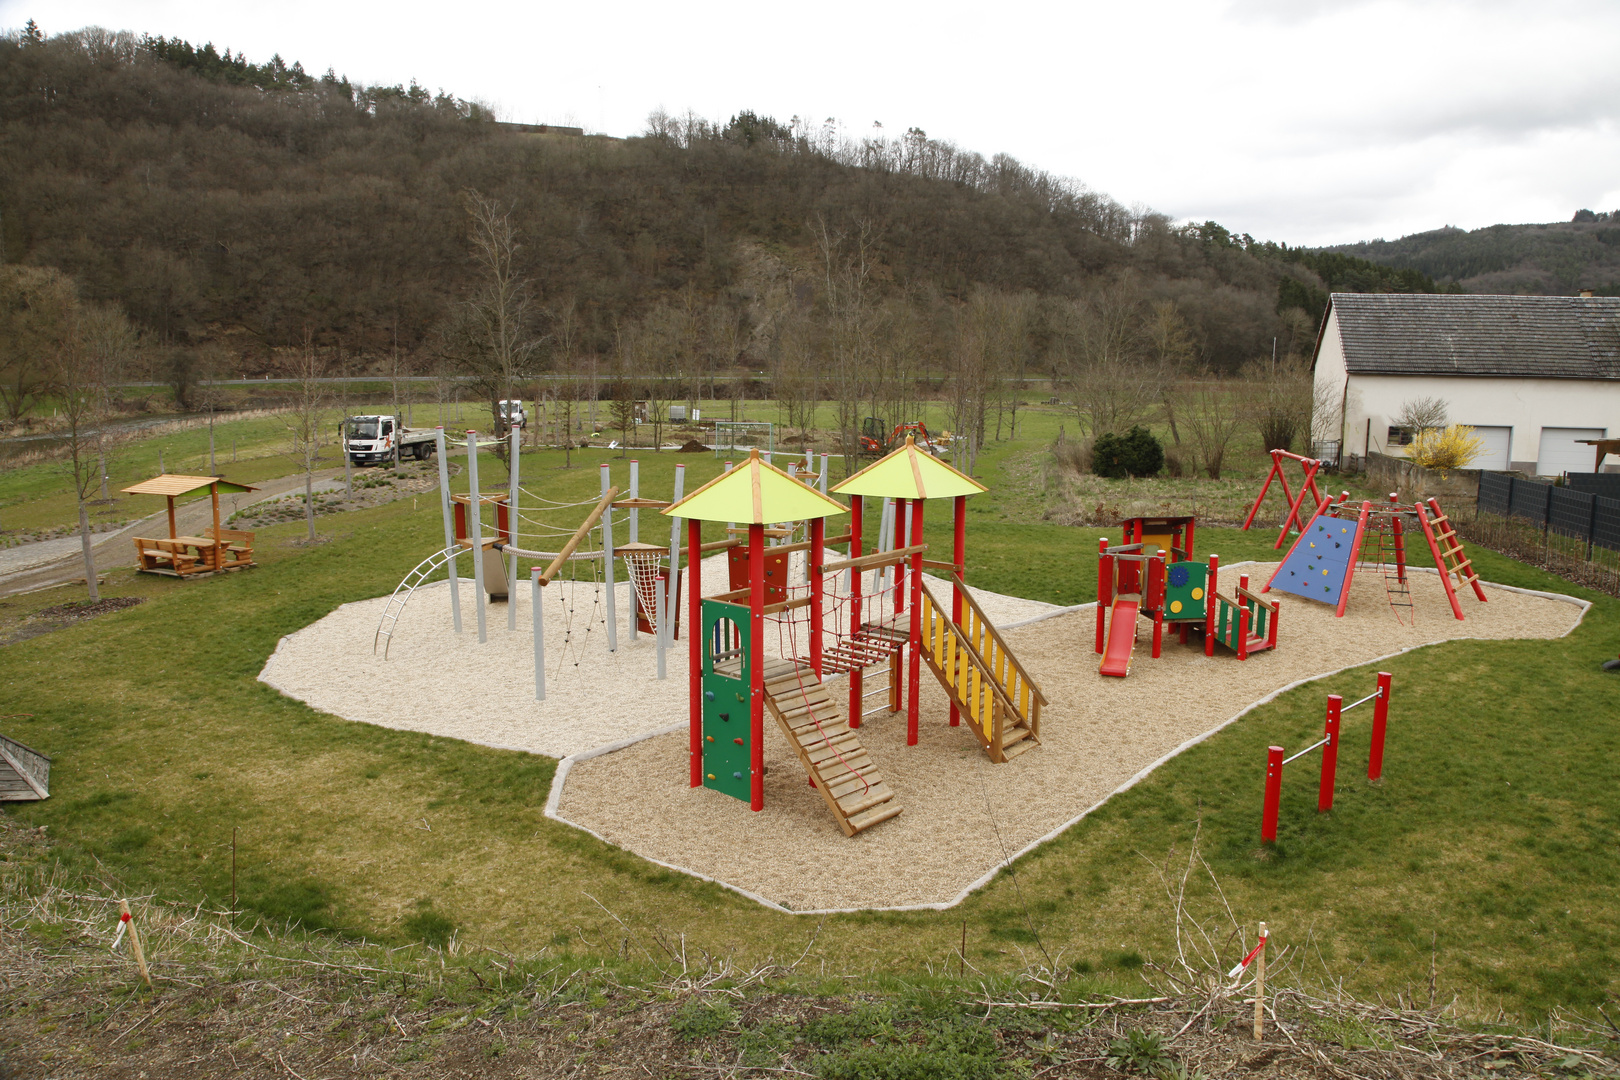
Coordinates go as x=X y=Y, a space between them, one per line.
x=882 y=558
x=1305 y=751
x=934 y=564
x=786 y=605
x=1363 y=701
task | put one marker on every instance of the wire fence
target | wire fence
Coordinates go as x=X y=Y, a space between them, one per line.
x=1574 y=534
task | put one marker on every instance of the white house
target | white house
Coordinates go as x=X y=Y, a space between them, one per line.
x=1531 y=374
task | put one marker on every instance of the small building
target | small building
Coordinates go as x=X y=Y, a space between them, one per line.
x=1532 y=375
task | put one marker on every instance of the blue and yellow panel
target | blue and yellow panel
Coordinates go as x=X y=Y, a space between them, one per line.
x=725 y=698
x=1318 y=567
x=1186 y=586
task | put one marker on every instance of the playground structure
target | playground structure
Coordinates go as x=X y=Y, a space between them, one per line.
x=182 y=556
x=1329 y=745
x=1333 y=546
x=1295 y=503
x=1153 y=574
x=730 y=668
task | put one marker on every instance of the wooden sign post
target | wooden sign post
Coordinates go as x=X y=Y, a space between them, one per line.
x=1260 y=987
x=128 y=920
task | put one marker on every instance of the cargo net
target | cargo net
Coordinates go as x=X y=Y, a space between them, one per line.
x=646 y=563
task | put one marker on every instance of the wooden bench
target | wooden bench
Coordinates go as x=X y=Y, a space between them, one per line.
x=164 y=555
x=237 y=547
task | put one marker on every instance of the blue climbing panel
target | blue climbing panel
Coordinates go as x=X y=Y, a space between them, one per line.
x=1318 y=565
x=728 y=664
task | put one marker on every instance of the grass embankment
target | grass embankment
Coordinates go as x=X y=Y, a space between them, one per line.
x=1486 y=852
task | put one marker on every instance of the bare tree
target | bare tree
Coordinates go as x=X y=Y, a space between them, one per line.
x=305 y=430
x=35 y=303
x=1277 y=396
x=1112 y=377
x=1170 y=349
x=495 y=338
x=1211 y=419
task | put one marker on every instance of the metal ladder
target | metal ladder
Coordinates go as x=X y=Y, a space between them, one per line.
x=407 y=586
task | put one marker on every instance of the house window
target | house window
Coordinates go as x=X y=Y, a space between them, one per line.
x=1399 y=436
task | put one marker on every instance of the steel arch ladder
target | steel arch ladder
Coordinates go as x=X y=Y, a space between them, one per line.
x=407 y=586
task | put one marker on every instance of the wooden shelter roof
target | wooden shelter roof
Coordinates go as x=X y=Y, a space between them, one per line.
x=910 y=473
x=173 y=484
x=756 y=493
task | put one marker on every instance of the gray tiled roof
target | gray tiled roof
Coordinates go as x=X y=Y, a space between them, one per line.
x=1547 y=337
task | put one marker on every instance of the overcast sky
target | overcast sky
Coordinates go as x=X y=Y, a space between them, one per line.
x=1303 y=121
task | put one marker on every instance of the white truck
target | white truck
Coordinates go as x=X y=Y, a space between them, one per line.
x=513 y=414
x=372 y=440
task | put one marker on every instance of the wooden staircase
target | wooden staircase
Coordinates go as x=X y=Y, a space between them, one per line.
x=996 y=696
x=830 y=751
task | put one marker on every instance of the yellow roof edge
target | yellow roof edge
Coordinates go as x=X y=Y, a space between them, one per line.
x=746 y=504
x=916 y=459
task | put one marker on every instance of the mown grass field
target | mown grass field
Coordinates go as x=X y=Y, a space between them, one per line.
x=1488 y=851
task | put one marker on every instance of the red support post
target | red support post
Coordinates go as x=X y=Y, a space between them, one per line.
x=1400 y=540
x=855 y=670
x=1211 y=604
x=695 y=642
x=1245 y=618
x=818 y=554
x=1155 y=592
x=1355 y=557
x=914 y=636
x=461 y=520
x=1268 y=815
x=756 y=667
x=1105 y=592
x=1375 y=756
x=958 y=560
x=1330 y=755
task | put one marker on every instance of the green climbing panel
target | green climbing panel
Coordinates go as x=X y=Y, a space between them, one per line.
x=727 y=667
x=1186 y=591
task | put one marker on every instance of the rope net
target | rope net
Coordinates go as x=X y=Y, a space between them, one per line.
x=645 y=579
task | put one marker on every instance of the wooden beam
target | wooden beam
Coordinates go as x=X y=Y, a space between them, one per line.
x=573 y=541
x=866 y=562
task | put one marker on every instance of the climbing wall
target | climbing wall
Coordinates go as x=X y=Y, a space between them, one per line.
x=1318 y=566
x=1184 y=587
x=726 y=671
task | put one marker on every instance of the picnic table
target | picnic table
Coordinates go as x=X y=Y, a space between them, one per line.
x=222 y=549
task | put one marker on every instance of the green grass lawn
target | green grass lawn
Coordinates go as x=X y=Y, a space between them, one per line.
x=1487 y=851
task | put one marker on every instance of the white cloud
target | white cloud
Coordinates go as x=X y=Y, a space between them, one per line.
x=1307 y=122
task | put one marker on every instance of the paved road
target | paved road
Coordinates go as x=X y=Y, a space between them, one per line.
x=28 y=567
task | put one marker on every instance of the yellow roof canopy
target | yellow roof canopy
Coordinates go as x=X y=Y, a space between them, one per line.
x=755 y=493
x=910 y=473
x=174 y=484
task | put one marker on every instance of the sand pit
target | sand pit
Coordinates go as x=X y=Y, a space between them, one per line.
x=625 y=777
x=437 y=681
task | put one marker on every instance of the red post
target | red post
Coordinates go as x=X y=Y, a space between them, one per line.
x=695 y=642
x=855 y=511
x=1105 y=591
x=1375 y=756
x=1210 y=605
x=1330 y=755
x=461 y=521
x=914 y=673
x=1244 y=618
x=958 y=560
x=756 y=667
x=1400 y=541
x=1155 y=591
x=1268 y=815
x=818 y=553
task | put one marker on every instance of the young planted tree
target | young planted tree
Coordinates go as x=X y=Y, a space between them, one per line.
x=495 y=338
x=1211 y=417
x=304 y=421
x=92 y=348
x=1278 y=396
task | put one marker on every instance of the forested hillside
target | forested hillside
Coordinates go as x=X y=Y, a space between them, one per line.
x=1551 y=259
x=240 y=213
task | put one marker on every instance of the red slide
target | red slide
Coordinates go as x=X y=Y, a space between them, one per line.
x=1121 y=638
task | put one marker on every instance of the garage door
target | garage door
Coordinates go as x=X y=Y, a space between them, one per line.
x=1495 y=454
x=1560 y=453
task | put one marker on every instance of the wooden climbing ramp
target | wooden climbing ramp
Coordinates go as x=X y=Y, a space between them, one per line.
x=830 y=751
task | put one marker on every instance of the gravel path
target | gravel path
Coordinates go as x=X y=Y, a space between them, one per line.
x=1097 y=734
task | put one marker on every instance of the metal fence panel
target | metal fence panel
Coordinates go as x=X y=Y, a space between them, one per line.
x=1606 y=526
x=1494 y=489
x=1570 y=512
x=1529 y=501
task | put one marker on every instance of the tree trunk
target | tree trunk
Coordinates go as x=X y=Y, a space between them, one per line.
x=101 y=466
x=309 y=501
x=89 y=556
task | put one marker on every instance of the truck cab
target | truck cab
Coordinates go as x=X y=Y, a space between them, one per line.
x=373 y=440
x=513 y=414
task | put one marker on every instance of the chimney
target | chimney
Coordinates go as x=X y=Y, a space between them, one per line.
x=1586 y=293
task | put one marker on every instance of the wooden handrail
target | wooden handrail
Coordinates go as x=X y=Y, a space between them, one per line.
x=1262 y=601
x=961 y=588
x=866 y=562
x=573 y=541
x=983 y=664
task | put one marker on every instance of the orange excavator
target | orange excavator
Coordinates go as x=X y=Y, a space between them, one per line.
x=875 y=442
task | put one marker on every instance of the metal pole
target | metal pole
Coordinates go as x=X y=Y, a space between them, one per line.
x=1268 y=815
x=1375 y=757
x=823 y=484
x=607 y=564
x=512 y=531
x=475 y=519
x=539 y=635
x=635 y=535
x=1330 y=755
x=449 y=529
